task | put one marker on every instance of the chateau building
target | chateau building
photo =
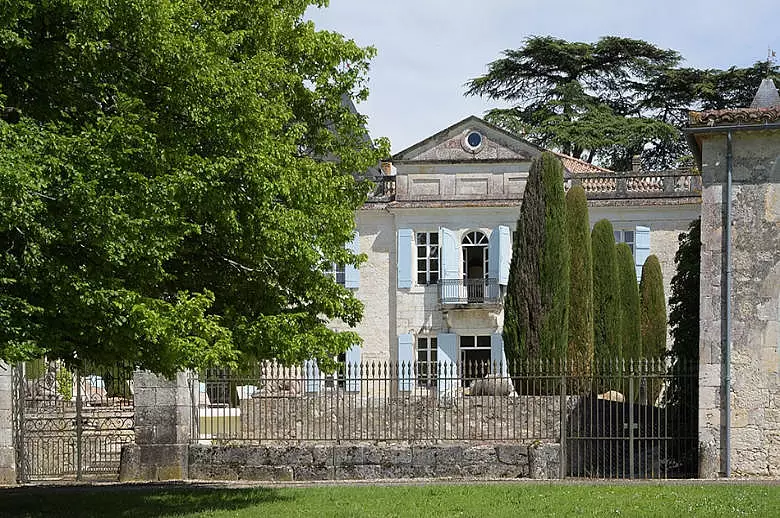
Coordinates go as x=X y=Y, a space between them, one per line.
x=438 y=234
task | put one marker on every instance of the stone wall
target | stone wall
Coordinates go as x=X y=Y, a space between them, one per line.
x=368 y=461
x=755 y=298
x=350 y=417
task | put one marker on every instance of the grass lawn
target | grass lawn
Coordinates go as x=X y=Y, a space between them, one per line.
x=450 y=500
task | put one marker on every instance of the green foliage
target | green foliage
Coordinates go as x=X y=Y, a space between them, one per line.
x=580 y=344
x=64 y=379
x=536 y=310
x=653 y=309
x=630 y=335
x=684 y=321
x=684 y=301
x=607 y=100
x=161 y=199
x=606 y=294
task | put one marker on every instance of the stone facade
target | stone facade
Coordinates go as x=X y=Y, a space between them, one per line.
x=370 y=461
x=755 y=303
x=443 y=183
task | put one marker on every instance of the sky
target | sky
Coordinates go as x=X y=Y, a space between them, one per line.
x=428 y=49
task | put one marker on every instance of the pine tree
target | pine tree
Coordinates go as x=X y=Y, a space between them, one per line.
x=629 y=303
x=606 y=297
x=580 y=344
x=536 y=305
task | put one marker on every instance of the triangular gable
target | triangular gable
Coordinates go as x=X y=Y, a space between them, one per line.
x=450 y=144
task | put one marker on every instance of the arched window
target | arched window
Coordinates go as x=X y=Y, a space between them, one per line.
x=475 y=255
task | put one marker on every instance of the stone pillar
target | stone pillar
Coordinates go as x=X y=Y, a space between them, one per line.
x=163 y=420
x=754 y=424
x=7 y=453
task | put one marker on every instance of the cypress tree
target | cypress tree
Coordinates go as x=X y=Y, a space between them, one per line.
x=653 y=309
x=580 y=343
x=629 y=303
x=536 y=305
x=606 y=296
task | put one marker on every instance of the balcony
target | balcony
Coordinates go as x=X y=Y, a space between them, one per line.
x=469 y=292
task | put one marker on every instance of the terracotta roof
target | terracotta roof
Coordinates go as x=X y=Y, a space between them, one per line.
x=735 y=116
x=575 y=165
x=764 y=108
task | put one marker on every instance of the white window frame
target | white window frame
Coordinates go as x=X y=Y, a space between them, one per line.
x=337 y=272
x=621 y=237
x=426 y=356
x=430 y=252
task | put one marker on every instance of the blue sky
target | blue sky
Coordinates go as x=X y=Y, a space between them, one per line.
x=427 y=49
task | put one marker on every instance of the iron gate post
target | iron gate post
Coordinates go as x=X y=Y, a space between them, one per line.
x=562 y=450
x=21 y=459
x=631 y=420
x=79 y=428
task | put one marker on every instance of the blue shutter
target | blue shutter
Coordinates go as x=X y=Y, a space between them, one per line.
x=312 y=376
x=500 y=251
x=354 y=369
x=497 y=356
x=641 y=248
x=404 y=257
x=450 y=254
x=352 y=274
x=447 y=357
x=405 y=363
x=449 y=260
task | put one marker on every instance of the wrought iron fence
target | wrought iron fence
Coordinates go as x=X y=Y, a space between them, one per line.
x=469 y=291
x=71 y=422
x=612 y=420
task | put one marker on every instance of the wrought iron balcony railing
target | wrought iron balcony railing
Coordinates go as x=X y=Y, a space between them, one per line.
x=469 y=291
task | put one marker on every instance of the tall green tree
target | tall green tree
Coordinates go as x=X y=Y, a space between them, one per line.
x=630 y=334
x=608 y=100
x=684 y=323
x=536 y=309
x=653 y=309
x=175 y=179
x=606 y=294
x=580 y=346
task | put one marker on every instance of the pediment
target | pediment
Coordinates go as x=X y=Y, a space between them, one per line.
x=458 y=143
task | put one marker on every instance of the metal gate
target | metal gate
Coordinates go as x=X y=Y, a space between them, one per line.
x=70 y=424
x=647 y=429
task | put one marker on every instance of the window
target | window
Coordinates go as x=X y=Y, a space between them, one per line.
x=475 y=255
x=427 y=258
x=625 y=236
x=426 y=360
x=336 y=378
x=337 y=272
x=475 y=356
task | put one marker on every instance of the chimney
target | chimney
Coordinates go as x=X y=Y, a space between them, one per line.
x=636 y=163
x=388 y=169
